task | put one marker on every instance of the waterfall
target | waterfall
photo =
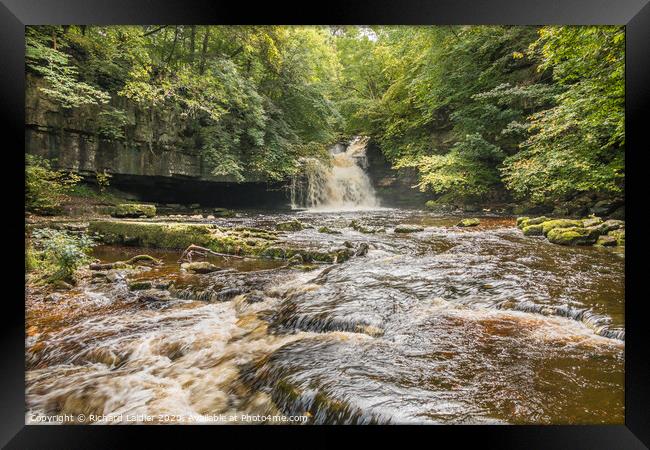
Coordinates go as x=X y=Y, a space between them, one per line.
x=340 y=185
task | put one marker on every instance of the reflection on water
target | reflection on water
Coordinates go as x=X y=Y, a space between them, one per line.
x=447 y=325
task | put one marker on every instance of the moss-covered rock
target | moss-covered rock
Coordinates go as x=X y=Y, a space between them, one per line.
x=291 y=225
x=549 y=225
x=523 y=222
x=134 y=210
x=199 y=267
x=592 y=221
x=356 y=226
x=408 y=228
x=619 y=235
x=520 y=221
x=469 y=222
x=606 y=241
x=533 y=230
x=611 y=225
x=573 y=236
x=328 y=230
x=139 y=285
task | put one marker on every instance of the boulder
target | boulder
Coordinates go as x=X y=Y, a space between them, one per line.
x=606 y=241
x=200 y=267
x=134 y=210
x=408 y=228
x=573 y=236
x=619 y=235
x=355 y=225
x=605 y=207
x=549 y=225
x=328 y=230
x=362 y=249
x=533 y=230
x=292 y=225
x=139 y=285
x=523 y=222
x=592 y=221
x=611 y=225
x=295 y=260
x=468 y=222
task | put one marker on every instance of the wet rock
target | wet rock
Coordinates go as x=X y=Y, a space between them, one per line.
x=533 y=230
x=292 y=225
x=228 y=294
x=62 y=285
x=523 y=222
x=619 y=235
x=592 y=221
x=328 y=230
x=362 y=249
x=355 y=225
x=254 y=298
x=468 y=222
x=139 y=285
x=199 y=267
x=134 y=210
x=348 y=244
x=295 y=260
x=408 y=228
x=223 y=212
x=470 y=208
x=549 y=225
x=155 y=296
x=573 y=236
x=611 y=225
x=606 y=241
x=54 y=297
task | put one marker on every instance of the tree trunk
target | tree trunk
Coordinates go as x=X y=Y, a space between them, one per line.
x=192 y=43
x=204 y=50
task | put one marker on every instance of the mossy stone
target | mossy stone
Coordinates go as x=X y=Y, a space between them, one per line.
x=573 y=236
x=549 y=225
x=469 y=222
x=134 y=210
x=408 y=228
x=533 y=230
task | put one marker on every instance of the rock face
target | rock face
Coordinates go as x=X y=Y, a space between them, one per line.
x=133 y=210
x=158 y=158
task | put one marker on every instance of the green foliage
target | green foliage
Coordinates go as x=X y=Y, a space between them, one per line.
x=578 y=145
x=475 y=110
x=61 y=76
x=56 y=254
x=112 y=123
x=103 y=180
x=45 y=188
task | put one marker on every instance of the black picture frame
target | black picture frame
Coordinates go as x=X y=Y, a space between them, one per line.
x=634 y=14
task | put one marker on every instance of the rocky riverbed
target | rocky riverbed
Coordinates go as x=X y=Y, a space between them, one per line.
x=384 y=316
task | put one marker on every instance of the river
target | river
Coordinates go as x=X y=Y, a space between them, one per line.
x=443 y=325
x=447 y=325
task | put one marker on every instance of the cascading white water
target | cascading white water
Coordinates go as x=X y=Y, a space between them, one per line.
x=343 y=185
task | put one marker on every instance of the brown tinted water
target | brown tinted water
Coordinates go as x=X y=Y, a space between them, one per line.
x=448 y=325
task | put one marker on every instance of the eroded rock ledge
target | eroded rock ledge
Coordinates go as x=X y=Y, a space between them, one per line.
x=242 y=241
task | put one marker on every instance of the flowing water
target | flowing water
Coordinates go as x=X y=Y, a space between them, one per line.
x=341 y=185
x=447 y=325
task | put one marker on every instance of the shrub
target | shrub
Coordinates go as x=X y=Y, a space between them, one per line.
x=45 y=188
x=57 y=254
